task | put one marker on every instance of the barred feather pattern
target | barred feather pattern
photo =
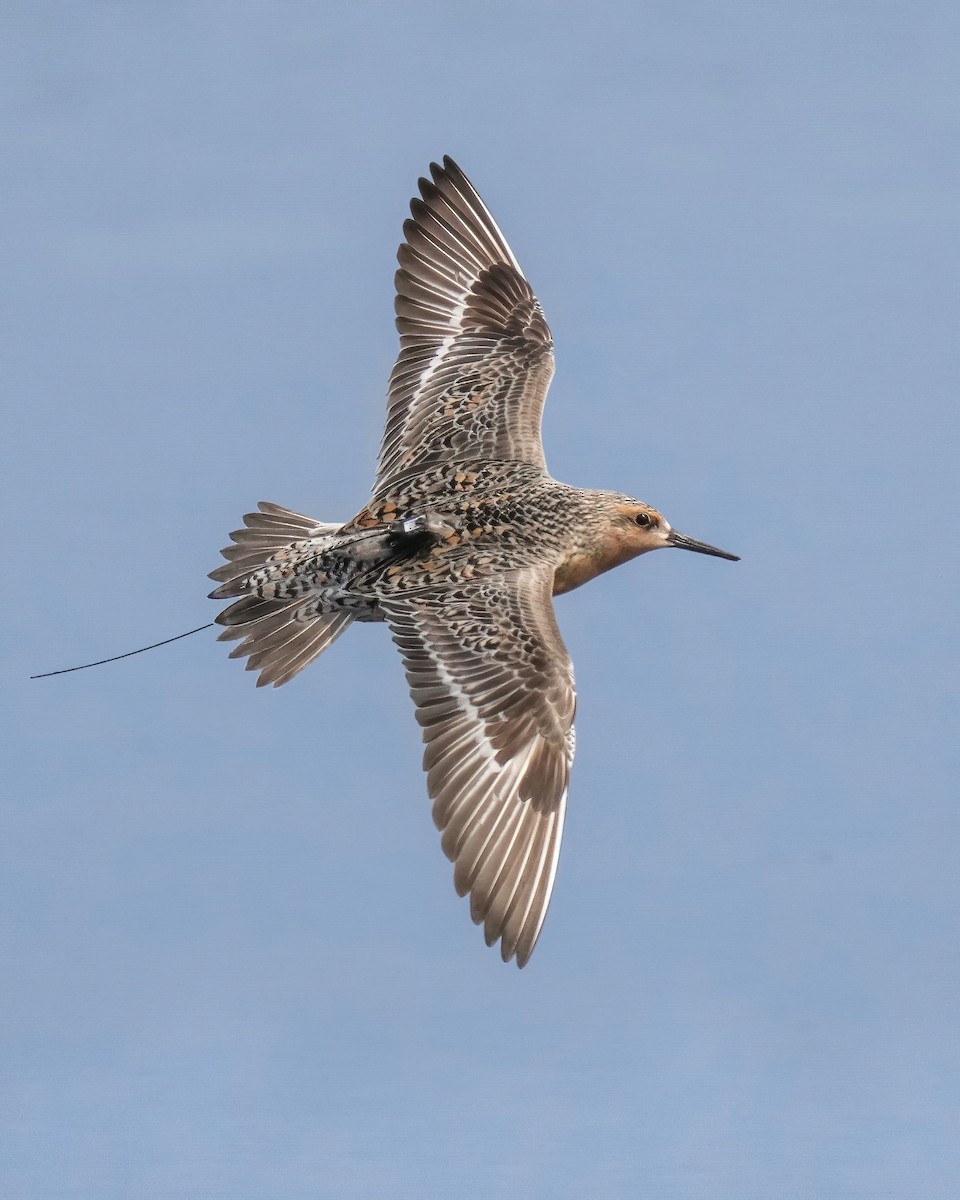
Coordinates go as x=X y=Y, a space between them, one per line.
x=494 y=694
x=284 y=631
x=476 y=354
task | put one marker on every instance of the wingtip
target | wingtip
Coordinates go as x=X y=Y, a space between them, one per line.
x=445 y=168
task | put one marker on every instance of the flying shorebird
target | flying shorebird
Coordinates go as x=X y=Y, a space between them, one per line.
x=465 y=541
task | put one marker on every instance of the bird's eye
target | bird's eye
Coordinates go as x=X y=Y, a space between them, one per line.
x=643 y=520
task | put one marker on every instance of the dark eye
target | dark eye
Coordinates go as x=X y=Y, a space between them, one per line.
x=643 y=520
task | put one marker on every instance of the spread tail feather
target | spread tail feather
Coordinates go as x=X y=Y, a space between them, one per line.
x=265 y=533
x=280 y=636
x=283 y=638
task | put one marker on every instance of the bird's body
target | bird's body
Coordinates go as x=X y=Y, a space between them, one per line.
x=464 y=542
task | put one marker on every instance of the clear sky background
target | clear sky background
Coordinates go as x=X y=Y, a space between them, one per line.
x=234 y=964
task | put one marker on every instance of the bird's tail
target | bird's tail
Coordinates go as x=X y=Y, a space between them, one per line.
x=281 y=633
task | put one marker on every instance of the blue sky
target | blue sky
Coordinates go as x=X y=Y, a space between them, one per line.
x=234 y=964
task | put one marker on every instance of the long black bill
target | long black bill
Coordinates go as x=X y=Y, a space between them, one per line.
x=686 y=543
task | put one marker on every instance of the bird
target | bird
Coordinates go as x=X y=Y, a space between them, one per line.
x=460 y=550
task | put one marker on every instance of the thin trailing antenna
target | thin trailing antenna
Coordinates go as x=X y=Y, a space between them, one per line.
x=129 y=653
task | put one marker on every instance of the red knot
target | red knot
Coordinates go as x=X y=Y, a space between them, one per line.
x=460 y=550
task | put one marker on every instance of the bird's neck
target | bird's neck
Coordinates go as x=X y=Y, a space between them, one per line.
x=585 y=562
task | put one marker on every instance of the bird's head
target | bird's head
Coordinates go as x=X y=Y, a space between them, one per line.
x=637 y=528
x=623 y=528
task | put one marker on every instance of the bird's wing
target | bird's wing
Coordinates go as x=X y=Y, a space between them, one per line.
x=476 y=355
x=493 y=687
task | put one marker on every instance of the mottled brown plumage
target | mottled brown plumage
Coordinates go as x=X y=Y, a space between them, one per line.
x=463 y=544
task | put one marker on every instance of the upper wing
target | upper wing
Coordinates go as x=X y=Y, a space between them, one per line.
x=476 y=355
x=493 y=686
